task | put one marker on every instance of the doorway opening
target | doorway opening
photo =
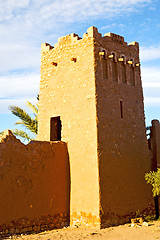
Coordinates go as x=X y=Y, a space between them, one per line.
x=55 y=129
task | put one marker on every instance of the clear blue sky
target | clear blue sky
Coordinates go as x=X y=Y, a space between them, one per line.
x=25 y=24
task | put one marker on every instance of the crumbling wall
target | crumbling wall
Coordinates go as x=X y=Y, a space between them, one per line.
x=34 y=185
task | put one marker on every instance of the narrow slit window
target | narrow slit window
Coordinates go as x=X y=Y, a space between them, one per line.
x=121 y=109
x=55 y=129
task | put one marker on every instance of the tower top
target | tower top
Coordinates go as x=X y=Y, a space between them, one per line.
x=92 y=32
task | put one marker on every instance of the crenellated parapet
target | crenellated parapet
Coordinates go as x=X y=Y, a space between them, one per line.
x=45 y=47
x=117 y=59
x=92 y=32
x=67 y=40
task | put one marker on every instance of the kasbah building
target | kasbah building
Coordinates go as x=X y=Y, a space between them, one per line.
x=92 y=152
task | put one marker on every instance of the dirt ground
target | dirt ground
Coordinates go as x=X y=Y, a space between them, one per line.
x=123 y=232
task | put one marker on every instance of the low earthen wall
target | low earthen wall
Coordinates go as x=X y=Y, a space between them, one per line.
x=34 y=185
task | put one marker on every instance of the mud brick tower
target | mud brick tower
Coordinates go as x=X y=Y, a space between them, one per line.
x=91 y=97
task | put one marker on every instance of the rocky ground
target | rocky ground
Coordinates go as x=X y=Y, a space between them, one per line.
x=150 y=231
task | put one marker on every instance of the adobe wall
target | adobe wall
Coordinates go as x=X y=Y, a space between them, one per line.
x=122 y=145
x=67 y=89
x=34 y=185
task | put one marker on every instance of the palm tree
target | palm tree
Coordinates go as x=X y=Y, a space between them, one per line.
x=30 y=123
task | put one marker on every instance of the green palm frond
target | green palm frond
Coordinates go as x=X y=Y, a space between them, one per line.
x=22 y=134
x=26 y=120
x=33 y=107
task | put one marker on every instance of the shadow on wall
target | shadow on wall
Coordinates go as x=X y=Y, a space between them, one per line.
x=34 y=185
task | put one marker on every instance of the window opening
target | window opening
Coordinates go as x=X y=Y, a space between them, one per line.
x=55 y=129
x=54 y=64
x=121 y=109
x=74 y=59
